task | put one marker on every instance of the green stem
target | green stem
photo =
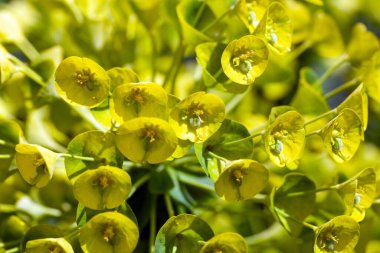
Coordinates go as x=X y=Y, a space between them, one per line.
x=177 y=67
x=217 y=20
x=196 y=184
x=218 y=157
x=169 y=205
x=296 y=194
x=259 y=128
x=83 y=158
x=73 y=233
x=9 y=244
x=178 y=55
x=7 y=144
x=324 y=115
x=142 y=180
x=5 y=156
x=28 y=49
x=27 y=70
x=244 y=139
x=317 y=132
x=236 y=100
x=184 y=159
x=311 y=226
x=331 y=70
x=6 y=208
x=341 y=88
x=13 y=250
x=295 y=53
x=153 y=224
x=199 y=13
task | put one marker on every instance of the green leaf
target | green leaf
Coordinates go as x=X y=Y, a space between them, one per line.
x=341 y=234
x=183 y=233
x=241 y=180
x=226 y=242
x=41 y=231
x=96 y=144
x=162 y=182
x=295 y=198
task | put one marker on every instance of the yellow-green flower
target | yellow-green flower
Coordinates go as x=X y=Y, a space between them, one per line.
x=82 y=81
x=134 y=100
x=109 y=232
x=49 y=245
x=240 y=180
x=103 y=188
x=285 y=138
x=146 y=139
x=225 y=243
x=119 y=76
x=197 y=117
x=245 y=59
x=35 y=164
x=342 y=135
x=339 y=235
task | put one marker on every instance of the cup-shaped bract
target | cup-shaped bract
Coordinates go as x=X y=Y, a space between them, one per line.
x=49 y=245
x=106 y=187
x=245 y=59
x=35 y=164
x=276 y=28
x=241 y=180
x=251 y=12
x=285 y=138
x=371 y=77
x=82 y=81
x=226 y=243
x=109 y=232
x=197 y=117
x=146 y=139
x=342 y=135
x=362 y=46
x=341 y=234
x=134 y=100
x=119 y=76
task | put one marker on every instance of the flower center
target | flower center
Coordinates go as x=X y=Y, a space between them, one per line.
x=109 y=233
x=238 y=176
x=85 y=79
x=55 y=249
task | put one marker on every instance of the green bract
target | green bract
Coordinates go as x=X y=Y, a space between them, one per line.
x=241 y=180
x=54 y=245
x=138 y=100
x=182 y=233
x=197 y=117
x=103 y=188
x=120 y=76
x=35 y=163
x=82 y=81
x=109 y=232
x=276 y=28
x=341 y=234
x=251 y=12
x=342 y=135
x=371 y=78
x=145 y=139
x=225 y=243
x=245 y=59
x=7 y=68
x=285 y=138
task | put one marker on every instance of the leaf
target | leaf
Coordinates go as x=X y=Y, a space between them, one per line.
x=341 y=234
x=241 y=180
x=49 y=244
x=226 y=242
x=96 y=144
x=182 y=232
x=162 y=182
x=295 y=198
x=245 y=59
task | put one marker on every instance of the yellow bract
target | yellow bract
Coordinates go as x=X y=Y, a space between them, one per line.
x=138 y=100
x=371 y=79
x=82 y=81
x=285 y=138
x=49 y=245
x=197 y=117
x=225 y=243
x=342 y=135
x=240 y=180
x=341 y=234
x=109 y=232
x=301 y=19
x=276 y=28
x=245 y=59
x=145 y=139
x=119 y=76
x=251 y=12
x=106 y=187
x=35 y=163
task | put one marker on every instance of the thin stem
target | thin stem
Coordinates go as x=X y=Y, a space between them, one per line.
x=177 y=67
x=27 y=70
x=331 y=70
x=236 y=100
x=259 y=128
x=28 y=49
x=7 y=144
x=153 y=55
x=6 y=156
x=324 y=115
x=83 y=158
x=184 y=159
x=142 y=180
x=178 y=55
x=73 y=233
x=341 y=88
x=6 y=208
x=13 y=250
x=217 y=20
x=244 y=139
x=311 y=226
x=9 y=244
x=295 y=53
x=199 y=13
x=317 y=132
x=218 y=157
x=196 y=184
x=153 y=224
x=169 y=205
x=296 y=194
